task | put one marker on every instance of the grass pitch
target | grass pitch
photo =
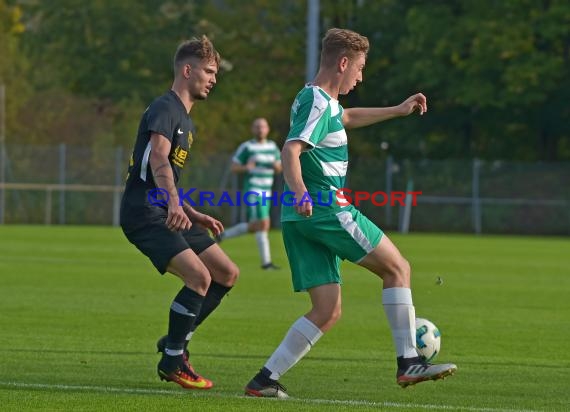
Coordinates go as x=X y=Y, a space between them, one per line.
x=81 y=309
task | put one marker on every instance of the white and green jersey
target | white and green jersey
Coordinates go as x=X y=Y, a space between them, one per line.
x=265 y=154
x=316 y=119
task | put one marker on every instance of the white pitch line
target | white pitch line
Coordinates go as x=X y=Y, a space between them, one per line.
x=142 y=391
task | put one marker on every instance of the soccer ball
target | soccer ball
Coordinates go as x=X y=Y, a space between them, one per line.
x=428 y=339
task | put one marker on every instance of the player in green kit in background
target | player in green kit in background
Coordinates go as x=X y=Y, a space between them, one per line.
x=259 y=159
x=318 y=235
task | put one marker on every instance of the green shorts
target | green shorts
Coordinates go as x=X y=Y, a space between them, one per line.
x=315 y=247
x=259 y=209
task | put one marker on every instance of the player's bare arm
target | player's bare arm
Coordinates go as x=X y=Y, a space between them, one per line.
x=365 y=116
x=292 y=174
x=164 y=179
x=277 y=166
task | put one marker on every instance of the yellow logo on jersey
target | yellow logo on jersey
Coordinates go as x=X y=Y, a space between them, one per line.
x=179 y=156
x=190 y=139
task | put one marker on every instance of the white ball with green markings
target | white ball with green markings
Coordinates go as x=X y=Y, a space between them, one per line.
x=428 y=339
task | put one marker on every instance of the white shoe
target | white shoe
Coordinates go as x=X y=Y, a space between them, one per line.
x=418 y=371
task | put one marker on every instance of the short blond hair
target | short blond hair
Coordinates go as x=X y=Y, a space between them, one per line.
x=342 y=42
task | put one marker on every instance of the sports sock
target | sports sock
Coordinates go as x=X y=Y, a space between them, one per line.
x=234 y=231
x=183 y=313
x=263 y=246
x=188 y=338
x=401 y=316
x=214 y=296
x=302 y=335
x=169 y=363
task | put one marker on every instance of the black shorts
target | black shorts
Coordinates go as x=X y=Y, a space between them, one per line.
x=160 y=244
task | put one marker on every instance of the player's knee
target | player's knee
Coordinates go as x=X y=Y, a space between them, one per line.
x=232 y=274
x=198 y=280
x=403 y=270
x=325 y=318
x=228 y=274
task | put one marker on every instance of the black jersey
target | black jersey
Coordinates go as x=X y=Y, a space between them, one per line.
x=167 y=116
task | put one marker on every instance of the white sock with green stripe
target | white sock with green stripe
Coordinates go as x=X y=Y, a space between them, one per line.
x=263 y=246
x=401 y=316
x=302 y=335
x=234 y=231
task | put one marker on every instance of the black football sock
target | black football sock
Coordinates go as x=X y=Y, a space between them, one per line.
x=170 y=363
x=183 y=313
x=405 y=363
x=214 y=296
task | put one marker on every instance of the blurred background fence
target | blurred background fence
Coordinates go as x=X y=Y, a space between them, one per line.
x=81 y=185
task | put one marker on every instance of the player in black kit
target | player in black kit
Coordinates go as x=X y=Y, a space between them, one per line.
x=173 y=235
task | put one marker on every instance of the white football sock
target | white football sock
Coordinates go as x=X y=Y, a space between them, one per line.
x=401 y=316
x=263 y=246
x=234 y=231
x=302 y=335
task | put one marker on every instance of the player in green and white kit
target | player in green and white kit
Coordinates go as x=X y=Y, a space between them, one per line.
x=319 y=234
x=259 y=159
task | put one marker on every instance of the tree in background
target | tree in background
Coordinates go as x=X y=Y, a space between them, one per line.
x=496 y=73
x=12 y=62
x=101 y=63
x=118 y=56
x=265 y=42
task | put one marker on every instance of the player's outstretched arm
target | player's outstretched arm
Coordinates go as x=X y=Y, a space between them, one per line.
x=365 y=116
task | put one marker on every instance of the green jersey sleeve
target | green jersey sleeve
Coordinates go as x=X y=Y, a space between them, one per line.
x=310 y=114
x=242 y=154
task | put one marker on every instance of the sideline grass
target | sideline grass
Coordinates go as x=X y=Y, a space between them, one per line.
x=80 y=311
